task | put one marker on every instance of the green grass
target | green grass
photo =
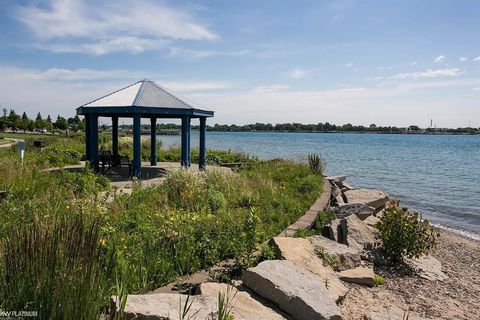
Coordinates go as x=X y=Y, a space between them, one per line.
x=71 y=242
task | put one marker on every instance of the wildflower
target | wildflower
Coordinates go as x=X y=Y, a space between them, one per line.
x=102 y=242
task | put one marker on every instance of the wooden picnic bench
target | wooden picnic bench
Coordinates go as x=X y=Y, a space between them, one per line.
x=108 y=160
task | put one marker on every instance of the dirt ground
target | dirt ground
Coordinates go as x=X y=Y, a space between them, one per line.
x=456 y=298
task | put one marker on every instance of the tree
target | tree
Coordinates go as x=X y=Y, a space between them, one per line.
x=13 y=120
x=48 y=123
x=81 y=124
x=39 y=122
x=23 y=123
x=61 y=123
x=31 y=125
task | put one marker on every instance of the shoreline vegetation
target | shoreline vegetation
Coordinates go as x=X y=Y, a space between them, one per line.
x=96 y=242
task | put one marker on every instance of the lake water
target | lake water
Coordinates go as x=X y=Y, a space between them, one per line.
x=438 y=175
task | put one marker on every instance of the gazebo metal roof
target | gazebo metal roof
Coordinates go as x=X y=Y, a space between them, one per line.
x=143 y=97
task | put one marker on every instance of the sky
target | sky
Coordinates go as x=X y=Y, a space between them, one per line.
x=386 y=62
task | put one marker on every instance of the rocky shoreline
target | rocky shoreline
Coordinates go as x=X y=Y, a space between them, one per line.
x=334 y=275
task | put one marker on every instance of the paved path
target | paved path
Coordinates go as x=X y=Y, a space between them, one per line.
x=151 y=175
x=8 y=145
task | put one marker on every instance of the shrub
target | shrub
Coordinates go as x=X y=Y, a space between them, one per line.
x=404 y=234
x=323 y=254
x=324 y=218
x=379 y=280
x=316 y=164
x=304 y=233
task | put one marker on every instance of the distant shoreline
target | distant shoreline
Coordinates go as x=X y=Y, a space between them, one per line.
x=356 y=132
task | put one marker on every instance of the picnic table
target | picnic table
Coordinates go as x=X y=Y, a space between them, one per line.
x=109 y=160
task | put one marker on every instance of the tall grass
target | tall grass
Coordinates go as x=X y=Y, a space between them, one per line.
x=54 y=268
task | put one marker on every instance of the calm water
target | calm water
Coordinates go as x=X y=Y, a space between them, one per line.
x=436 y=175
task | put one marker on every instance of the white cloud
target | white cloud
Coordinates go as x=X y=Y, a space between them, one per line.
x=447 y=72
x=271 y=88
x=109 y=26
x=441 y=58
x=298 y=73
x=398 y=105
x=133 y=45
x=349 y=65
x=463 y=59
x=413 y=63
x=59 y=91
x=60 y=74
x=477 y=58
x=205 y=53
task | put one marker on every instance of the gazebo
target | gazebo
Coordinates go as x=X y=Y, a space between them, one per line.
x=142 y=99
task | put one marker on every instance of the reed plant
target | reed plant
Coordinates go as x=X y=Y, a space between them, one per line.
x=55 y=268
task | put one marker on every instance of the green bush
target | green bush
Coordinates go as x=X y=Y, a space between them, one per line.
x=404 y=234
x=316 y=163
x=379 y=280
x=322 y=254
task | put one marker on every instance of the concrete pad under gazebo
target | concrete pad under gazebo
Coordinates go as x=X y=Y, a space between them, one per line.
x=142 y=99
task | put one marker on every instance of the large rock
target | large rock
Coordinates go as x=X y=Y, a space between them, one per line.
x=361 y=275
x=371 y=221
x=302 y=253
x=166 y=306
x=371 y=197
x=243 y=306
x=360 y=209
x=340 y=200
x=429 y=268
x=356 y=234
x=294 y=290
x=347 y=186
x=336 y=178
x=343 y=256
x=335 y=231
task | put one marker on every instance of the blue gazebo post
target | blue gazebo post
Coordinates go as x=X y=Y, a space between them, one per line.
x=202 y=151
x=115 y=136
x=137 y=145
x=153 y=141
x=94 y=141
x=185 y=141
x=88 y=138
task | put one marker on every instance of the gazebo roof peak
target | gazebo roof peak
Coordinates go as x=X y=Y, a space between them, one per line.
x=143 y=93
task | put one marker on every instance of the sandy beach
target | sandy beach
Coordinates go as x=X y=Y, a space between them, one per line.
x=455 y=298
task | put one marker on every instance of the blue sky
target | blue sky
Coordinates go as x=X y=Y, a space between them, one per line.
x=384 y=62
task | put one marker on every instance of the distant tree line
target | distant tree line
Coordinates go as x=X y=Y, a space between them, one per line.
x=13 y=121
x=327 y=127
